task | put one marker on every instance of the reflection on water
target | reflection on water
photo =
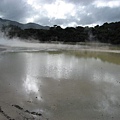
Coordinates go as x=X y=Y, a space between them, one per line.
x=30 y=84
x=63 y=86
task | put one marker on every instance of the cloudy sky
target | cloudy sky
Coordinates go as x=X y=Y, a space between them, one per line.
x=61 y=12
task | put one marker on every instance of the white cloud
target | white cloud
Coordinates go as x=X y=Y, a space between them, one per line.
x=1 y=16
x=57 y=12
x=35 y=4
x=32 y=19
x=72 y=24
x=111 y=4
x=59 y=9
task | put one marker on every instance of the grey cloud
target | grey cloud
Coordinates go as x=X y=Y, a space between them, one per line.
x=69 y=1
x=19 y=11
x=13 y=9
x=50 y=22
x=108 y=14
x=47 y=1
x=100 y=15
x=62 y=21
x=82 y=2
x=43 y=21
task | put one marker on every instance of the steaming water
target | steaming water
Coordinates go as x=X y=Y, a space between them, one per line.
x=59 y=84
x=17 y=45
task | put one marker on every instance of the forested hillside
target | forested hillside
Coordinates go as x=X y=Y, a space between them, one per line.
x=106 y=33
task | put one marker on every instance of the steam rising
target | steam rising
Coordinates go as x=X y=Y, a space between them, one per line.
x=32 y=46
x=17 y=45
x=15 y=42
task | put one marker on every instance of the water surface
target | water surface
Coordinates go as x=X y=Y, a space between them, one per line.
x=60 y=85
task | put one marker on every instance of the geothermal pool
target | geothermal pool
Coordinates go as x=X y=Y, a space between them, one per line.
x=57 y=84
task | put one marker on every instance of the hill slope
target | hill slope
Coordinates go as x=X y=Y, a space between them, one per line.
x=5 y=22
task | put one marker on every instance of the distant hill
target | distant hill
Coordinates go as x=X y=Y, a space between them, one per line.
x=5 y=22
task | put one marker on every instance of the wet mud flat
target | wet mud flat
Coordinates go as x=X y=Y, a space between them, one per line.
x=21 y=113
x=59 y=85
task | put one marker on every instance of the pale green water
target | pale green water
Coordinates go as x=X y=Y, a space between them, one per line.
x=61 y=85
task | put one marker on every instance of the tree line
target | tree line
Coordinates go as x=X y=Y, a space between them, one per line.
x=106 y=33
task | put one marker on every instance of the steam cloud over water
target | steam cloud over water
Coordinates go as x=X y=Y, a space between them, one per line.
x=12 y=42
x=32 y=46
x=17 y=45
